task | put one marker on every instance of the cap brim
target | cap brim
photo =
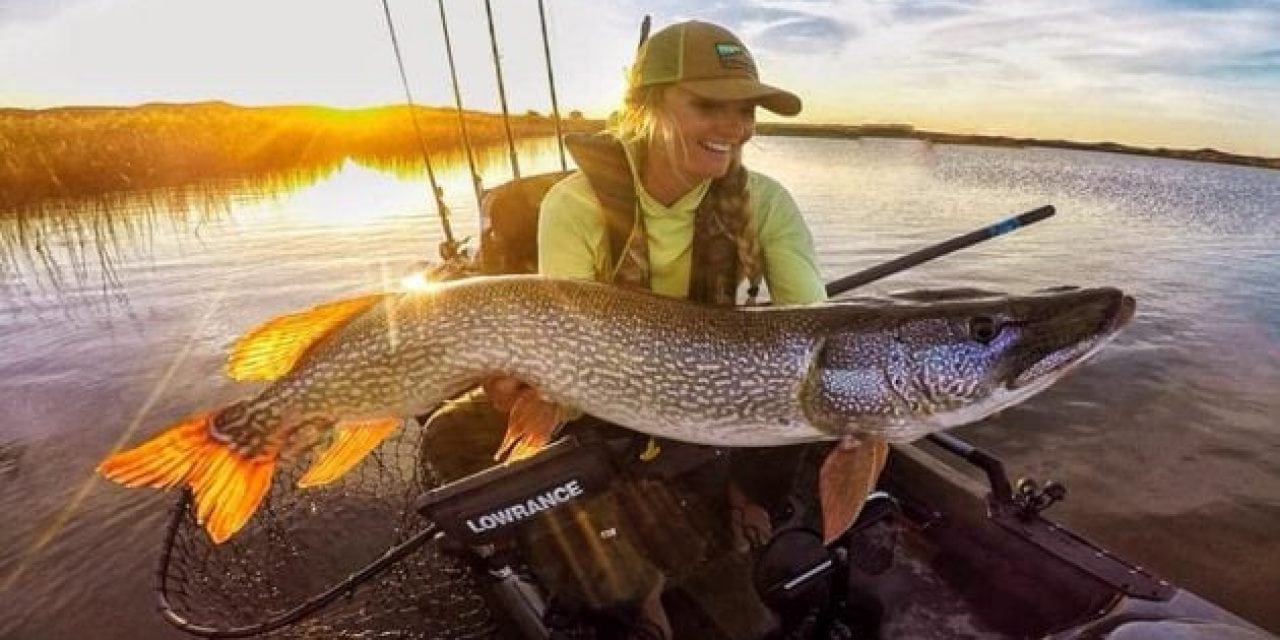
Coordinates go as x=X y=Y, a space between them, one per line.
x=783 y=103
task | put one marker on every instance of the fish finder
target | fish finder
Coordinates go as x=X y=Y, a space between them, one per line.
x=494 y=504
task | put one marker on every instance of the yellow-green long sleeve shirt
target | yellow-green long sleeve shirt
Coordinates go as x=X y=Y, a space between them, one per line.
x=572 y=241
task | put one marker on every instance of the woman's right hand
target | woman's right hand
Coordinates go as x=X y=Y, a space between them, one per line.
x=503 y=391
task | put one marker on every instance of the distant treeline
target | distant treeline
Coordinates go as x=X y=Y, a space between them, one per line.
x=908 y=131
x=79 y=152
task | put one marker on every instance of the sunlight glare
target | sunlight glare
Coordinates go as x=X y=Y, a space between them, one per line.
x=356 y=196
x=419 y=283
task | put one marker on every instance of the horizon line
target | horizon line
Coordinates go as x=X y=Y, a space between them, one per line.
x=840 y=129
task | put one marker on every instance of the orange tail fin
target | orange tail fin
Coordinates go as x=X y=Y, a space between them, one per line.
x=227 y=486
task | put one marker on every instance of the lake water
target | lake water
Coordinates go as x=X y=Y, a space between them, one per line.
x=114 y=318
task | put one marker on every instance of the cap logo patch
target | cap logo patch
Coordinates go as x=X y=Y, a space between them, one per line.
x=733 y=56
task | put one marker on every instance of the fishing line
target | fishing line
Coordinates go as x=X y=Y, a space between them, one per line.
x=449 y=248
x=73 y=504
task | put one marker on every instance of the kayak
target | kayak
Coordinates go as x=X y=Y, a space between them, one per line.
x=945 y=547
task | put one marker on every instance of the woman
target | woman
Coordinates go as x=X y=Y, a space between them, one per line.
x=672 y=209
x=688 y=112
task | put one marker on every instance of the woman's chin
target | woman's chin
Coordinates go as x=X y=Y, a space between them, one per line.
x=709 y=169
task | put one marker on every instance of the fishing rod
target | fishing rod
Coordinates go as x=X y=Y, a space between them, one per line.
x=502 y=92
x=902 y=263
x=449 y=249
x=551 y=82
x=476 y=181
x=645 y=25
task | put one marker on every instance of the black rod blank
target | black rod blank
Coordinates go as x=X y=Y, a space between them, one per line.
x=928 y=253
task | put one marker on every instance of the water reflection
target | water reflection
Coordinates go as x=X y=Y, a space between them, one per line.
x=62 y=246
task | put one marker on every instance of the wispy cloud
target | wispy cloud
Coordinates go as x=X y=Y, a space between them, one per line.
x=1199 y=64
x=15 y=11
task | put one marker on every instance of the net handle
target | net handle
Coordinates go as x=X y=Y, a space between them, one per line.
x=309 y=606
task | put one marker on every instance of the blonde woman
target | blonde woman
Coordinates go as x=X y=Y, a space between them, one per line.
x=688 y=112
x=662 y=201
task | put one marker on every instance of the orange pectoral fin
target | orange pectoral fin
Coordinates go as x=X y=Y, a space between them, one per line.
x=530 y=425
x=226 y=486
x=271 y=349
x=848 y=475
x=353 y=440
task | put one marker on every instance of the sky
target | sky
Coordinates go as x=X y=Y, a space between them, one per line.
x=1172 y=73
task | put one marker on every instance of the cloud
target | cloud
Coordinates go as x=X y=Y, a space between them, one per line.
x=804 y=33
x=914 y=10
x=16 y=11
x=769 y=25
x=1081 y=45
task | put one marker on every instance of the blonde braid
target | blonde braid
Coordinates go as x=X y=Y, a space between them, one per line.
x=729 y=201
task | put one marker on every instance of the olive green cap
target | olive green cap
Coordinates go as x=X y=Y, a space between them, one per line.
x=708 y=61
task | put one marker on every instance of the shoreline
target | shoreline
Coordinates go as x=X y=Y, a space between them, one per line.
x=159 y=145
x=839 y=131
x=577 y=122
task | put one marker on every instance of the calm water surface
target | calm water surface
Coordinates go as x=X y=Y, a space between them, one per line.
x=114 y=319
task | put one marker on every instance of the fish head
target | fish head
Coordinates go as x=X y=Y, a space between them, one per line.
x=930 y=360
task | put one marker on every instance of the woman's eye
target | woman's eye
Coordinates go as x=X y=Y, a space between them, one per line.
x=983 y=329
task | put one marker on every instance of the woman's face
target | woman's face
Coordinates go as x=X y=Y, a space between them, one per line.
x=704 y=135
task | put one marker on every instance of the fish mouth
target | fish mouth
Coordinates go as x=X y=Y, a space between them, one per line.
x=1058 y=361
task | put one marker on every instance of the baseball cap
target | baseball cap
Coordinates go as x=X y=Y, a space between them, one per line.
x=708 y=61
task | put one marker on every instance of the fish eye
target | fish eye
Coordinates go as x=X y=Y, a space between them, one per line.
x=983 y=329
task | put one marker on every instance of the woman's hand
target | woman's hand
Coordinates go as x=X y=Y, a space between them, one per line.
x=503 y=391
x=749 y=523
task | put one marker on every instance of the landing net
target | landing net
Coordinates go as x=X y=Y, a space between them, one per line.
x=308 y=564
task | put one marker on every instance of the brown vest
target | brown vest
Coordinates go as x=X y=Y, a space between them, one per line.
x=715 y=273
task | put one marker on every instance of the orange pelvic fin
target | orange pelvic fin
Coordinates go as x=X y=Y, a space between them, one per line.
x=530 y=425
x=227 y=487
x=273 y=348
x=848 y=475
x=353 y=440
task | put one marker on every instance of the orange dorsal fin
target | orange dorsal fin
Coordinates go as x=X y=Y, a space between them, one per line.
x=271 y=349
x=226 y=486
x=848 y=474
x=352 y=441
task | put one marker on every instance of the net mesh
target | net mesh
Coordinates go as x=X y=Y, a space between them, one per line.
x=303 y=542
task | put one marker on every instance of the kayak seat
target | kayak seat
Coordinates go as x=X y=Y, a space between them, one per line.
x=509 y=224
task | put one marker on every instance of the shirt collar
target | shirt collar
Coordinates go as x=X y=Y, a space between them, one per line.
x=687 y=203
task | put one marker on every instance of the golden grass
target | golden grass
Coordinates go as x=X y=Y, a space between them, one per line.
x=56 y=155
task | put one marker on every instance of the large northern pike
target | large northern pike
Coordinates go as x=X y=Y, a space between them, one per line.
x=345 y=373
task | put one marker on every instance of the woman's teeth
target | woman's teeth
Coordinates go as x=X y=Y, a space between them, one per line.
x=715 y=147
